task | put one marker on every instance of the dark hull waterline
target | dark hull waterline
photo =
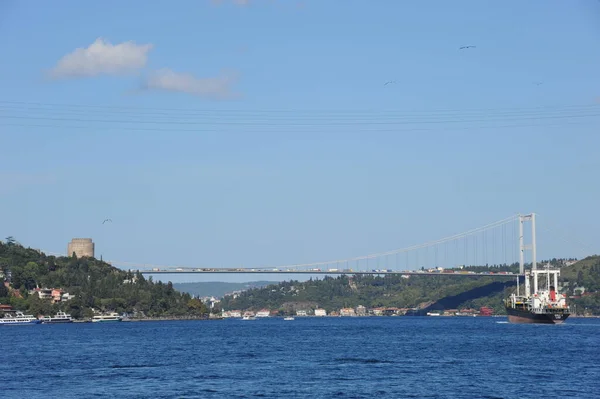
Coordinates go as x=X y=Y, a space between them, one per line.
x=525 y=317
x=57 y=321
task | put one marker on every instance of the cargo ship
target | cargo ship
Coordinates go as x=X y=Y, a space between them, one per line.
x=544 y=306
x=536 y=305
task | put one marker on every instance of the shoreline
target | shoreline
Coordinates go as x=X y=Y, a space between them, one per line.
x=147 y=319
x=169 y=319
x=131 y=320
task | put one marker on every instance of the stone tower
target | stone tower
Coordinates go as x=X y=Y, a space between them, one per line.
x=81 y=247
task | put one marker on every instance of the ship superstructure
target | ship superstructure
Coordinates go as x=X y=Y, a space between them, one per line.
x=59 y=318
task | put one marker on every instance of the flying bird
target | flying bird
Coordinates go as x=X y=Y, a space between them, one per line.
x=107 y=220
x=537 y=83
x=465 y=47
x=389 y=82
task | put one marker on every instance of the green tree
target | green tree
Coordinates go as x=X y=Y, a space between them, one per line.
x=216 y=310
x=39 y=306
x=3 y=291
x=196 y=306
x=96 y=284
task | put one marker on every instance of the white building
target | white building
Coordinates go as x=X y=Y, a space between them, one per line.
x=570 y=262
x=231 y=313
x=320 y=312
x=67 y=297
x=263 y=313
x=347 y=312
x=210 y=301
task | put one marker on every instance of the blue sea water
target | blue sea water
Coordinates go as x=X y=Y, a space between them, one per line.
x=376 y=357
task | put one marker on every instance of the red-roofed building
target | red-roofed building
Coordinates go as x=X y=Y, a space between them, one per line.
x=6 y=309
x=485 y=311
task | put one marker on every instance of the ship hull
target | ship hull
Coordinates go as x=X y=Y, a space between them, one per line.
x=59 y=321
x=523 y=317
x=20 y=323
x=106 y=321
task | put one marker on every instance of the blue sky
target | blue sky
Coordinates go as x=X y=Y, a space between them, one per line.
x=262 y=132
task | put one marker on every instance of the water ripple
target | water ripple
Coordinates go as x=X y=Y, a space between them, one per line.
x=309 y=358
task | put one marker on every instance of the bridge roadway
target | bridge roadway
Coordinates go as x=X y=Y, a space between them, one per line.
x=331 y=271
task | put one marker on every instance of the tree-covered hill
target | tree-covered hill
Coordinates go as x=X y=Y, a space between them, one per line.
x=367 y=290
x=438 y=292
x=217 y=288
x=583 y=274
x=93 y=283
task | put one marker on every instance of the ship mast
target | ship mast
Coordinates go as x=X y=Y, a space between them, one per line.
x=522 y=248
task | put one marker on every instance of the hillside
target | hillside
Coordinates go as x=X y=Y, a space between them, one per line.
x=438 y=292
x=582 y=282
x=584 y=273
x=218 y=289
x=91 y=283
x=370 y=291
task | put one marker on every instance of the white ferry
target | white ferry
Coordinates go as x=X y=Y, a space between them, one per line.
x=106 y=318
x=19 y=319
x=59 y=318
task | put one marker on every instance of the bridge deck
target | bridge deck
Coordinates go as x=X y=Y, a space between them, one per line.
x=266 y=271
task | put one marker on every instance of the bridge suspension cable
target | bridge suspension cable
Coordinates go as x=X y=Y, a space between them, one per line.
x=495 y=243
x=455 y=237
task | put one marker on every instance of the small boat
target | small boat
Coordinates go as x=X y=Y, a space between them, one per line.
x=59 y=318
x=247 y=317
x=288 y=318
x=106 y=318
x=19 y=319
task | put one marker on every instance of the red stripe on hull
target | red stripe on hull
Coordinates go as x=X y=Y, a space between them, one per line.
x=528 y=320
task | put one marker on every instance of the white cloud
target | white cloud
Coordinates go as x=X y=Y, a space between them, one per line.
x=102 y=57
x=218 y=87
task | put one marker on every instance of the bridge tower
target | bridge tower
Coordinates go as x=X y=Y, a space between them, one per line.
x=523 y=247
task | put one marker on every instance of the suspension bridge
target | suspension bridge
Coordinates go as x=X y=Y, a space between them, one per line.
x=498 y=244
